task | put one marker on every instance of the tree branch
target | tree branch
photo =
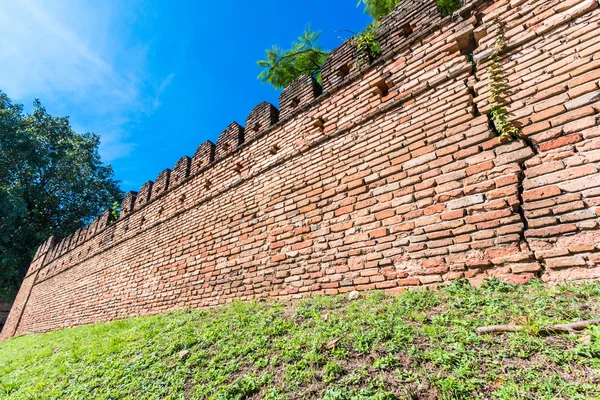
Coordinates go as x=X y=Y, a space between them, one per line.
x=301 y=52
x=547 y=330
x=347 y=30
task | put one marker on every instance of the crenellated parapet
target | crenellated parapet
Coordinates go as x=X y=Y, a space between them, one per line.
x=407 y=24
x=261 y=119
x=39 y=259
x=161 y=184
x=104 y=220
x=128 y=203
x=82 y=235
x=302 y=91
x=180 y=172
x=143 y=196
x=204 y=156
x=75 y=239
x=229 y=140
x=339 y=64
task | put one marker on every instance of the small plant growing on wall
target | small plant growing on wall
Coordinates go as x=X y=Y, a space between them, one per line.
x=366 y=43
x=115 y=212
x=505 y=128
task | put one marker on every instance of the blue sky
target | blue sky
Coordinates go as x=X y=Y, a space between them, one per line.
x=153 y=78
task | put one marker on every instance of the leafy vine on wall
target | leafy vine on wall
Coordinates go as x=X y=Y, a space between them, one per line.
x=506 y=129
x=366 y=42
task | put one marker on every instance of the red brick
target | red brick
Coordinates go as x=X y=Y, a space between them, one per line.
x=541 y=193
x=506 y=180
x=302 y=245
x=407 y=226
x=278 y=258
x=535 y=128
x=434 y=209
x=491 y=144
x=552 y=231
x=378 y=233
x=459 y=155
x=342 y=227
x=560 y=142
x=454 y=214
x=384 y=214
x=494 y=215
x=344 y=210
x=475 y=169
x=548 y=113
x=409 y=282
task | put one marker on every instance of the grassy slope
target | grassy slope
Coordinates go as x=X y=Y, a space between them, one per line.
x=420 y=344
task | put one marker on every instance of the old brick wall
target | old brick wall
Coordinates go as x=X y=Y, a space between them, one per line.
x=391 y=177
x=553 y=72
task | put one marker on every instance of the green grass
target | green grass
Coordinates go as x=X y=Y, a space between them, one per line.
x=420 y=344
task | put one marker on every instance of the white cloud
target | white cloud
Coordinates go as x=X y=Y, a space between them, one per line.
x=79 y=61
x=161 y=88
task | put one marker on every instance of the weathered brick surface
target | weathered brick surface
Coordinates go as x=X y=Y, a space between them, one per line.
x=142 y=198
x=391 y=178
x=262 y=117
x=229 y=140
x=161 y=185
x=127 y=205
x=552 y=70
x=181 y=171
x=204 y=156
x=300 y=92
x=340 y=62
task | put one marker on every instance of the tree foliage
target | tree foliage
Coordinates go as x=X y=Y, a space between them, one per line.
x=448 y=7
x=366 y=41
x=378 y=9
x=52 y=182
x=306 y=57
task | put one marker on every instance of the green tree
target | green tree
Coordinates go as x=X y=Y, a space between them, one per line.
x=447 y=7
x=378 y=9
x=306 y=57
x=52 y=182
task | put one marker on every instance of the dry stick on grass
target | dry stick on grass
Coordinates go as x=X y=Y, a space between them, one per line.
x=548 y=330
